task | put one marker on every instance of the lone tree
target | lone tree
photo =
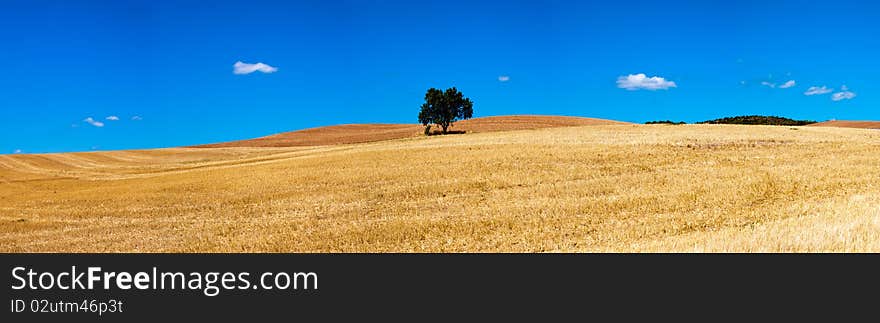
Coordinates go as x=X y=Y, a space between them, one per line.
x=444 y=108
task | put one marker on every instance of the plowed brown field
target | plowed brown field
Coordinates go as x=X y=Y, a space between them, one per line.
x=360 y=133
x=848 y=124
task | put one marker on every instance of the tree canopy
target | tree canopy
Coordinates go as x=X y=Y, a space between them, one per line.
x=444 y=108
x=760 y=120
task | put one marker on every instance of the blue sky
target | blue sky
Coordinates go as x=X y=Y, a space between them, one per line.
x=165 y=68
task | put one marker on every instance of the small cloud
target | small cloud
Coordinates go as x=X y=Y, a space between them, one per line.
x=503 y=78
x=94 y=122
x=245 y=68
x=790 y=83
x=845 y=95
x=768 y=84
x=137 y=118
x=844 y=88
x=17 y=151
x=640 y=81
x=113 y=118
x=815 y=90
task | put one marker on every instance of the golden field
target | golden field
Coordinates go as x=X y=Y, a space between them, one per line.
x=573 y=189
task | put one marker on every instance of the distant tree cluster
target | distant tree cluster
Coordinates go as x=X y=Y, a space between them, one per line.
x=664 y=122
x=760 y=120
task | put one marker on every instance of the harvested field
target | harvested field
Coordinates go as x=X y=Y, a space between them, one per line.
x=587 y=188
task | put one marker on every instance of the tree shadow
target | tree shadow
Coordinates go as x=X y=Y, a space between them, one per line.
x=448 y=132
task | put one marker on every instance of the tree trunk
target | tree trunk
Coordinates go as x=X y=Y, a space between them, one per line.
x=444 y=127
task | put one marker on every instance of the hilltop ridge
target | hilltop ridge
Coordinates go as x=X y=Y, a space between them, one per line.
x=360 y=133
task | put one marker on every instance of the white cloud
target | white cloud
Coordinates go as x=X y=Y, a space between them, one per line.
x=815 y=90
x=17 y=151
x=137 y=118
x=845 y=95
x=113 y=118
x=640 y=81
x=94 y=122
x=245 y=68
x=790 y=83
x=503 y=78
x=844 y=88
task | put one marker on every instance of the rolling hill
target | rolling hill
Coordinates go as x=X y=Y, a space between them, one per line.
x=578 y=188
x=360 y=133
